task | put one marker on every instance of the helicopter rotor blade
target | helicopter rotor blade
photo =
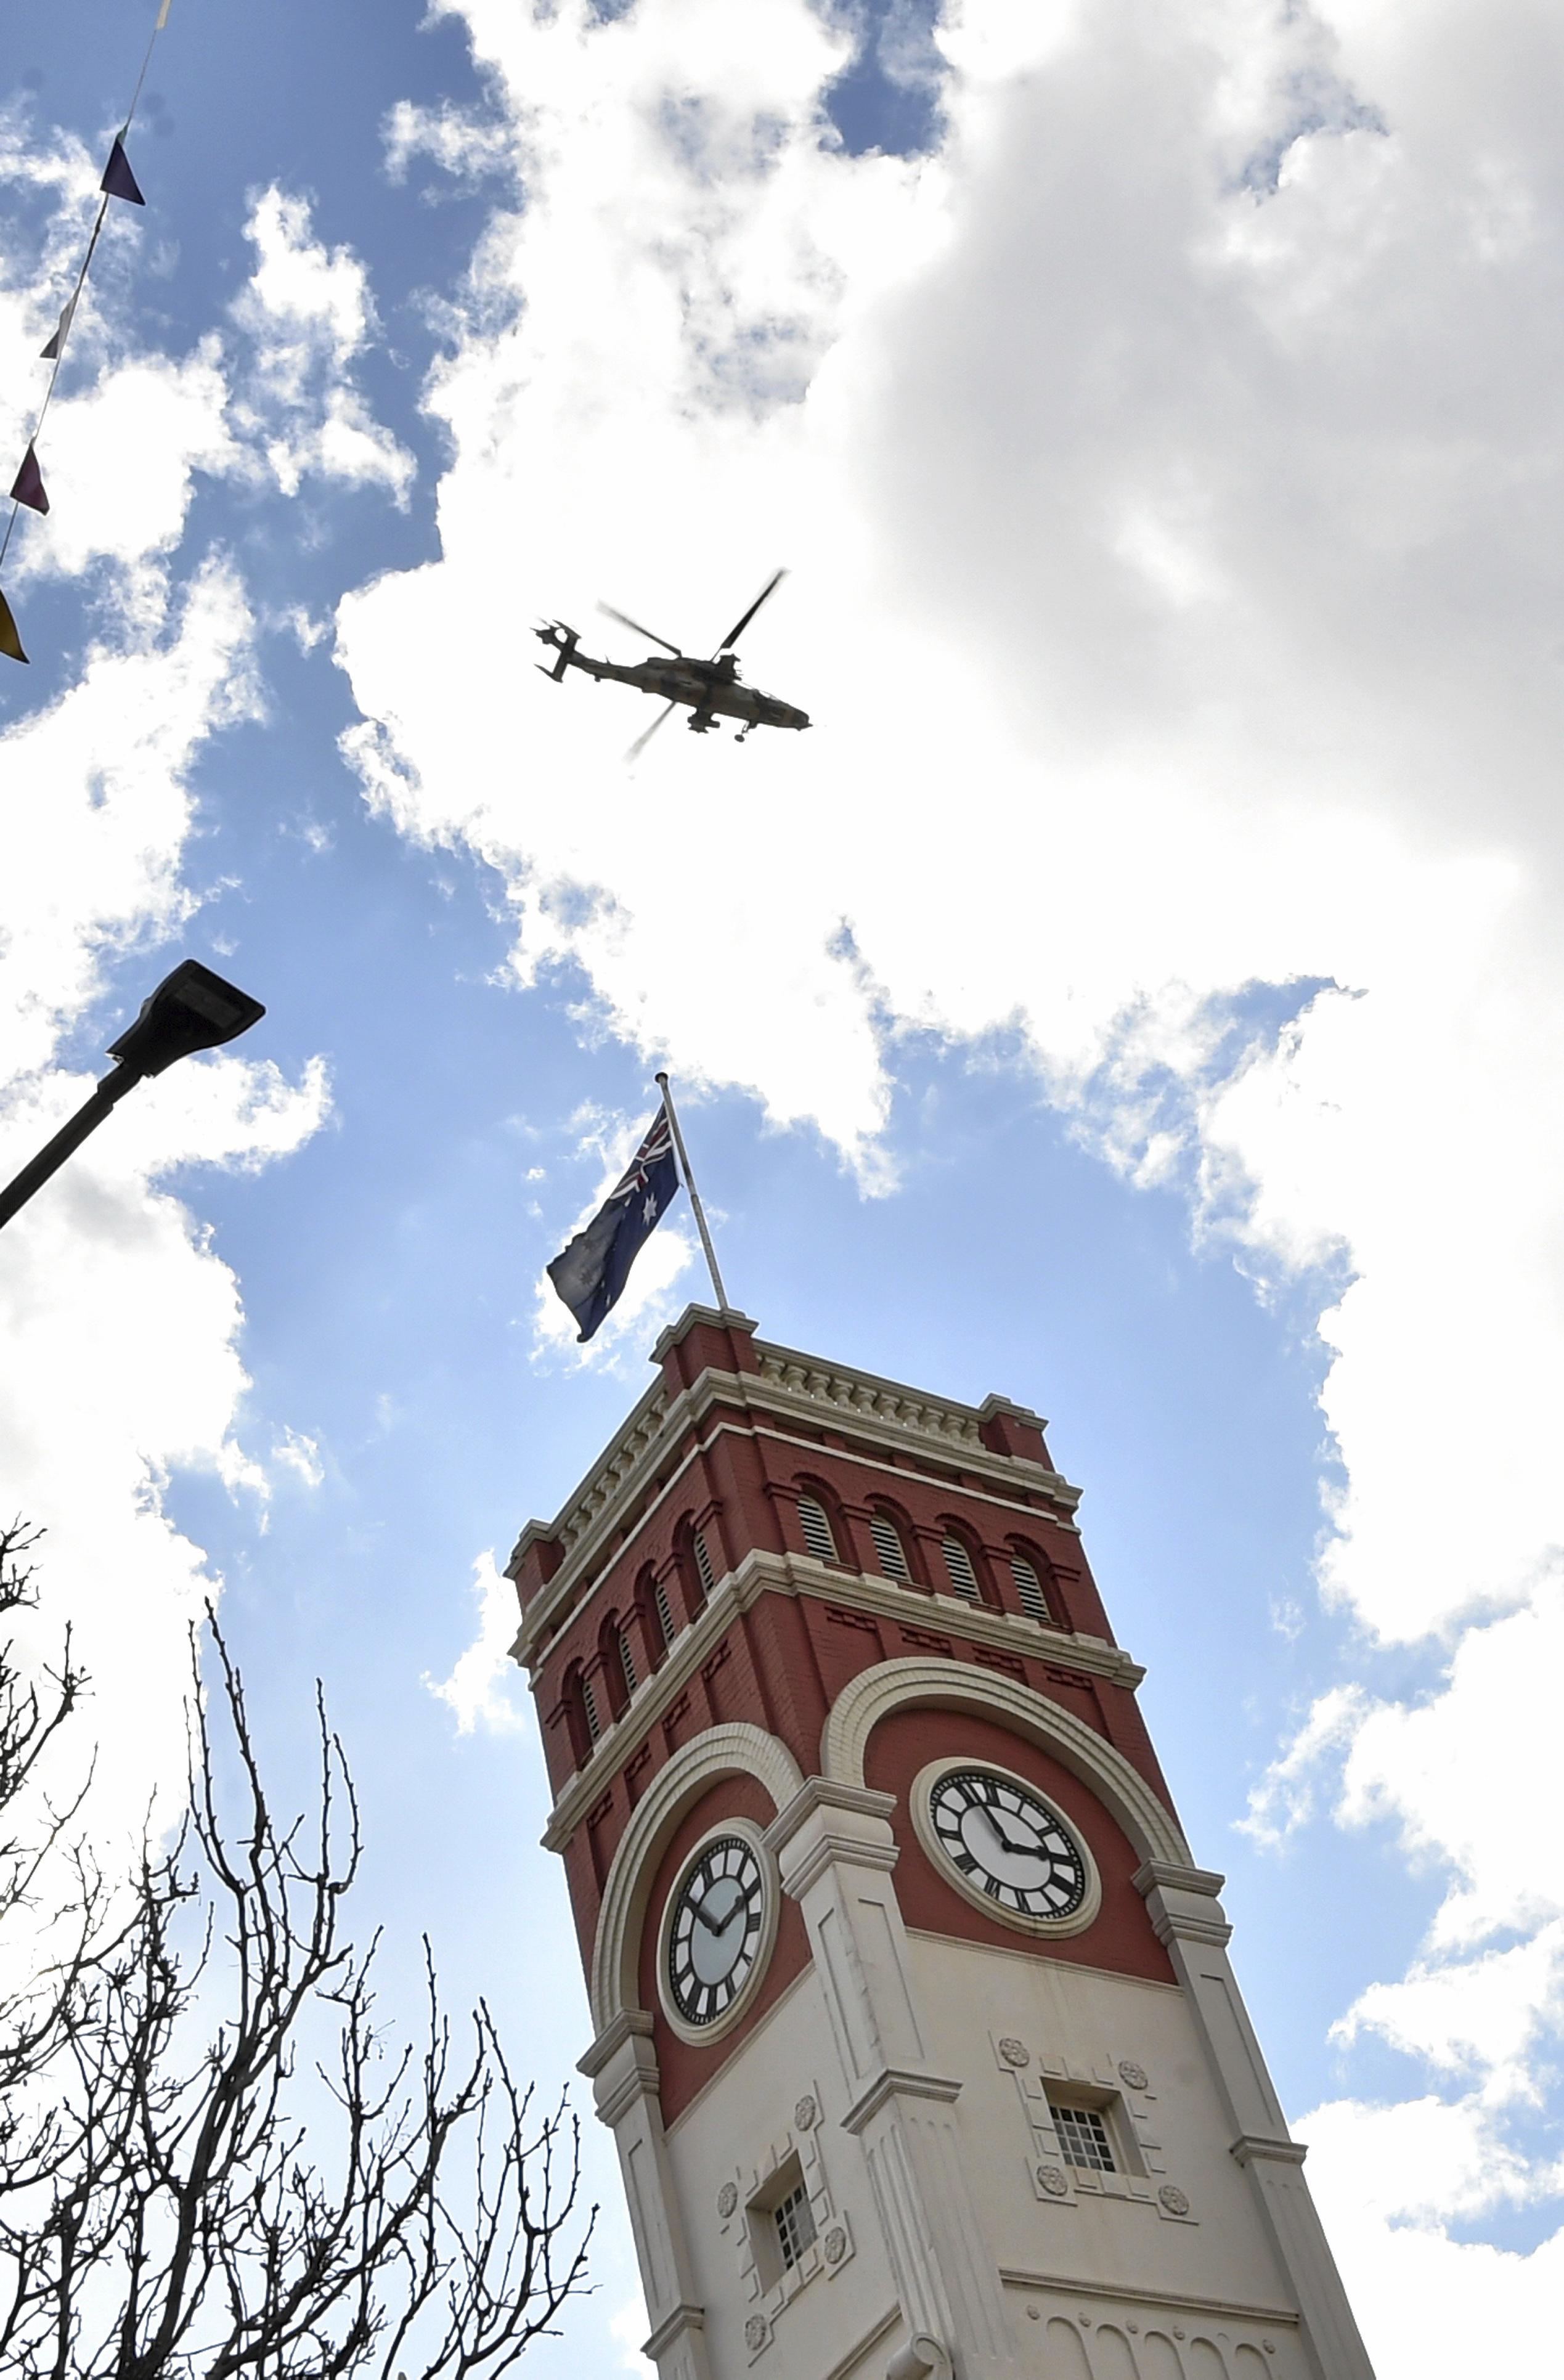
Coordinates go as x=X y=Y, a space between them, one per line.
x=731 y=640
x=626 y=622
x=639 y=745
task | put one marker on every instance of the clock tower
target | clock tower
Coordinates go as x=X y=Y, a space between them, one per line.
x=912 y=2015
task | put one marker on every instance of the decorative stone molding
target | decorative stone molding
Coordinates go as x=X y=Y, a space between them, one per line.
x=735 y=1749
x=899 y=2082
x=851 y=1824
x=673 y=2328
x=1251 y=2147
x=612 y=1496
x=1182 y=1902
x=621 y=2065
x=860 y=1394
x=922 y=2358
x=897 y=1685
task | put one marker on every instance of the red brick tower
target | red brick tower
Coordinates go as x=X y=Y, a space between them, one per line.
x=914 y=2021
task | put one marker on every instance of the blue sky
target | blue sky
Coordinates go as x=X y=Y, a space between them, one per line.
x=1122 y=998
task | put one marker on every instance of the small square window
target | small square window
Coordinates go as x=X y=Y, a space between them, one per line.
x=782 y=2224
x=1082 y=2138
x=796 y=2226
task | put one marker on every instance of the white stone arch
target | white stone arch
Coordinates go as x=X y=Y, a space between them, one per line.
x=898 y=1685
x=734 y=1750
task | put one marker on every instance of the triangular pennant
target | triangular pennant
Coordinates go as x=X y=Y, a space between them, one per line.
x=57 y=347
x=118 y=180
x=10 y=643
x=27 y=488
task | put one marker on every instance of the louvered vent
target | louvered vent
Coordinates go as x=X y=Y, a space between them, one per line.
x=958 y=1563
x=888 y=1546
x=704 y=1570
x=627 y=1662
x=664 y=1614
x=1029 y=1589
x=589 y=1705
x=816 y=1525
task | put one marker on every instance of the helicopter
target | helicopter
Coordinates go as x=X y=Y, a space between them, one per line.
x=712 y=688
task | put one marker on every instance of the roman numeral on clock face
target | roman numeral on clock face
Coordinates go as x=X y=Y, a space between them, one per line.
x=1006 y=1841
x=713 y=1934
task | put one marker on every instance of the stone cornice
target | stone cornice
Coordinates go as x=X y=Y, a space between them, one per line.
x=761 y=1573
x=1074 y=2285
x=1263 y=2148
x=671 y=2328
x=605 y=1499
x=1162 y=1876
x=630 y=2025
x=898 y=2082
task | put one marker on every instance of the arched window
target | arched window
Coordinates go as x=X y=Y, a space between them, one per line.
x=888 y=1548
x=588 y=1708
x=1029 y=1591
x=815 y=1521
x=703 y=1569
x=618 y=1664
x=959 y=1567
x=662 y=1608
x=581 y=1714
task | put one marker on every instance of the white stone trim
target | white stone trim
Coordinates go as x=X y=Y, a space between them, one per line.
x=735 y=1749
x=770 y=1887
x=1018 y=1920
x=896 y=1685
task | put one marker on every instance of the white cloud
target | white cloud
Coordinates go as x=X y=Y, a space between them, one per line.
x=309 y=310
x=463 y=145
x=482 y=1688
x=1175 y=594
x=299 y=1453
x=121 y=1320
x=627 y=2328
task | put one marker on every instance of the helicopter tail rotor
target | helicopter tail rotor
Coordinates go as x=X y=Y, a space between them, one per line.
x=564 y=641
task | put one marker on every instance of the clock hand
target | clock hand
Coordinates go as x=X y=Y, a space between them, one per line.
x=1006 y=1842
x=716 y=1926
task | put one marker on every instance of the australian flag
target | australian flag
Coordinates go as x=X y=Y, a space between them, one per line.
x=591 y=1272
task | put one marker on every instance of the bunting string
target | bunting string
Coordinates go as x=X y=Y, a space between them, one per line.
x=28 y=489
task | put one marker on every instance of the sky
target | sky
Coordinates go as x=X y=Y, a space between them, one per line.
x=1140 y=992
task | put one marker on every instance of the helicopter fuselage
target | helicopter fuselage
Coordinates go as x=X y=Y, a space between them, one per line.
x=711 y=689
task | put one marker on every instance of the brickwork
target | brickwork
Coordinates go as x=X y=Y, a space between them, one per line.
x=726 y=1445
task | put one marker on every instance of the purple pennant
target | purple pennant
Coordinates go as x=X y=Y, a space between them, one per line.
x=118 y=180
x=10 y=643
x=27 y=486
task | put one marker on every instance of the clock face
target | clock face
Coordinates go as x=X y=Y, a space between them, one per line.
x=1007 y=1843
x=713 y=1936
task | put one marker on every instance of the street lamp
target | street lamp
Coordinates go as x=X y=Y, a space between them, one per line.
x=191 y=1009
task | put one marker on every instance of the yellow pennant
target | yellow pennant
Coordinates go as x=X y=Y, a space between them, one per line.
x=10 y=643
x=162 y=16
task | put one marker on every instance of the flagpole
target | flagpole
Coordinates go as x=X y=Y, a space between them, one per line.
x=695 y=1195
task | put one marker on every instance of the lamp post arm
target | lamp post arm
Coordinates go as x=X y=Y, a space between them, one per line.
x=53 y=1155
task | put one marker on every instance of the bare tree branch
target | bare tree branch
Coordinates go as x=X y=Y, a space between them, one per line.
x=234 y=2174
